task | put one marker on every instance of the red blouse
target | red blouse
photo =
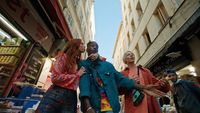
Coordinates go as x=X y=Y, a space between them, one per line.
x=61 y=78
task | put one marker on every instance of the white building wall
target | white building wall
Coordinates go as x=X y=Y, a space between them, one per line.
x=177 y=12
x=189 y=7
x=79 y=15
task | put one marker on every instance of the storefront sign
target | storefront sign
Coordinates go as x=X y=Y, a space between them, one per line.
x=21 y=12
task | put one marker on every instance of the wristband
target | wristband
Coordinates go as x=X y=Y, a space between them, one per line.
x=89 y=108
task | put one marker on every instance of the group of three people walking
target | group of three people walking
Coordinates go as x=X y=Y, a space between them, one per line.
x=100 y=84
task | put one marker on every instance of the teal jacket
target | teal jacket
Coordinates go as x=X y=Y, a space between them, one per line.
x=111 y=78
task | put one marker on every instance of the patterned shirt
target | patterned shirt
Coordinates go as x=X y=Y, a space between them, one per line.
x=111 y=79
x=105 y=105
x=62 y=78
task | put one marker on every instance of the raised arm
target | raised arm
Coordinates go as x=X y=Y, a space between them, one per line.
x=162 y=85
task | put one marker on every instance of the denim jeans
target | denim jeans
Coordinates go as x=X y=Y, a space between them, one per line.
x=58 y=100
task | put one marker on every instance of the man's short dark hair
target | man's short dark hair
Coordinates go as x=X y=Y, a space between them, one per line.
x=90 y=42
x=170 y=71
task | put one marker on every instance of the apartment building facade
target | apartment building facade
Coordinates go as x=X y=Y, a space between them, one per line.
x=162 y=34
x=79 y=15
x=119 y=48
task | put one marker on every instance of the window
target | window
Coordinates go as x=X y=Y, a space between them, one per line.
x=87 y=9
x=80 y=16
x=177 y=3
x=129 y=7
x=124 y=7
x=87 y=14
x=129 y=39
x=139 y=11
x=147 y=37
x=76 y=3
x=68 y=16
x=76 y=35
x=162 y=13
x=133 y=26
x=82 y=25
x=126 y=21
x=137 y=51
x=70 y=20
x=83 y=30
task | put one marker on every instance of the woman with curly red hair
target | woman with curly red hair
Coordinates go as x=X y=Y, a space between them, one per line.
x=61 y=97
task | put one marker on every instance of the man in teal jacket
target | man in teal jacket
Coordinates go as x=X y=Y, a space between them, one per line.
x=99 y=85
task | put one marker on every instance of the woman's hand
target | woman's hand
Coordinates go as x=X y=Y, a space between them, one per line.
x=142 y=87
x=93 y=56
x=81 y=71
x=151 y=90
x=163 y=82
x=154 y=92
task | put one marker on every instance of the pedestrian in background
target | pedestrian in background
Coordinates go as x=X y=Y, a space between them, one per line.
x=166 y=105
x=186 y=94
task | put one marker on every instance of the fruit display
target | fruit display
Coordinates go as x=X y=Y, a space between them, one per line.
x=10 y=50
x=9 y=54
x=8 y=60
x=9 y=57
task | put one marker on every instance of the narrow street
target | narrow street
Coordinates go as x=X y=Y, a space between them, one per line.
x=99 y=56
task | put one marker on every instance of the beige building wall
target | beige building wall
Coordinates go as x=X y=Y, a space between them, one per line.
x=79 y=15
x=150 y=24
x=119 y=49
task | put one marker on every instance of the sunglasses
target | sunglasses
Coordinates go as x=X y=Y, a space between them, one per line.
x=170 y=75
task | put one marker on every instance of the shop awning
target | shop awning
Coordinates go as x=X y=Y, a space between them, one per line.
x=56 y=15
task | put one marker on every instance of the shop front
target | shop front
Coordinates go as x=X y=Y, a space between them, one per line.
x=25 y=43
x=30 y=34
